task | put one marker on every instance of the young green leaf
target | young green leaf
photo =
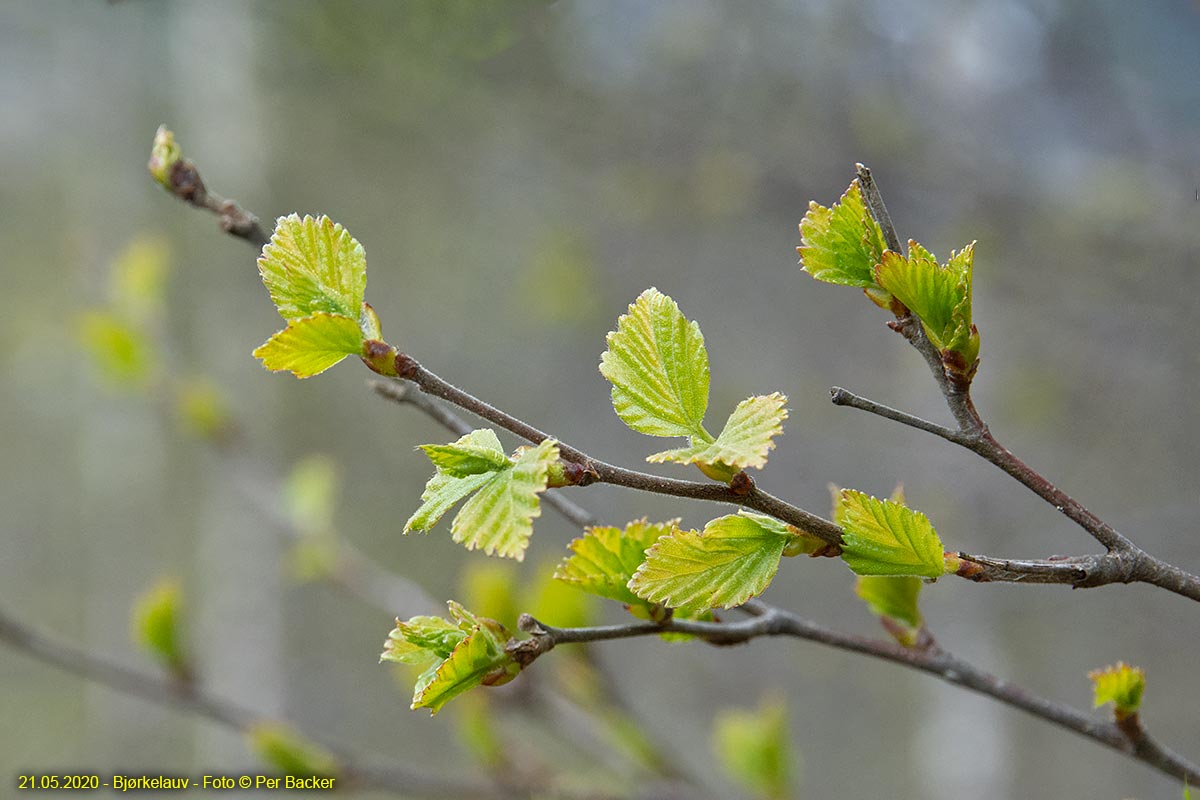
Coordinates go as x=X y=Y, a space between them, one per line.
x=732 y=560
x=658 y=367
x=882 y=537
x=444 y=490
x=745 y=440
x=461 y=460
x=1121 y=685
x=894 y=597
x=311 y=345
x=843 y=244
x=290 y=753
x=940 y=295
x=313 y=266
x=604 y=559
x=458 y=654
x=480 y=659
x=894 y=600
x=156 y=624
x=499 y=518
x=753 y=748
x=123 y=354
x=310 y=494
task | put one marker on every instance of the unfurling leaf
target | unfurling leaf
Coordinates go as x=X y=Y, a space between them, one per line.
x=310 y=345
x=164 y=154
x=1121 y=685
x=753 y=748
x=461 y=460
x=310 y=494
x=882 y=537
x=604 y=559
x=156 y=624
x=290 y=753
x=457 y=654
x=658 y=367
x=314 y=266
x=843 y=244
x=499 y=518
x=893 y=598
x=745 y=440
x=940 y=295
x=732 y=560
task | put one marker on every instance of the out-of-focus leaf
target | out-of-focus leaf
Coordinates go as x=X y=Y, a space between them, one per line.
x=290 y=753
x=156 y=623
x=753 y=747
x=1121 y=685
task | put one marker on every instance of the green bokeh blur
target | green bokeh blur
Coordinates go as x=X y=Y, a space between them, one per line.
x=518 y=172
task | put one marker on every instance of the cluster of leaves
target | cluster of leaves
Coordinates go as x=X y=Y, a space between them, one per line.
x=316 y=273
x=658 y=367
x=845 y=245
x=455 y=654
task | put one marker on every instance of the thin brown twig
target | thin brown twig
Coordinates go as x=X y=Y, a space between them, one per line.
x=188 y=697
x=769 y=620
x=772 y=621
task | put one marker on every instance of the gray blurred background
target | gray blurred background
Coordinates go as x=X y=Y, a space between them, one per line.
x=518 y=173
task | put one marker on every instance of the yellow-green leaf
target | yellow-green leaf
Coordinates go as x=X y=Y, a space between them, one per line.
x=894 y=598
x=940 y=295
x=122 y=353
x=1121 y=685
x=745 y=440
x=311 y=345
x=156 y=623
x=753 y=747
x=461 y=460
x=843 y=244
x=314 y=266
x=658 y=367
x=732 y=560
x=604 y=559
x=457 y=654
x=289 y=753
x=444 y=490
x=882 y=537
x=499 y=518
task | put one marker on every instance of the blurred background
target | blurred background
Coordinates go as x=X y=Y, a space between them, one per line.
x=518 y=172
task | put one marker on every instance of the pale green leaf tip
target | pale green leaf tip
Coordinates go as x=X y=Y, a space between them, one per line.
x=164 y=155
x=1121 y=685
